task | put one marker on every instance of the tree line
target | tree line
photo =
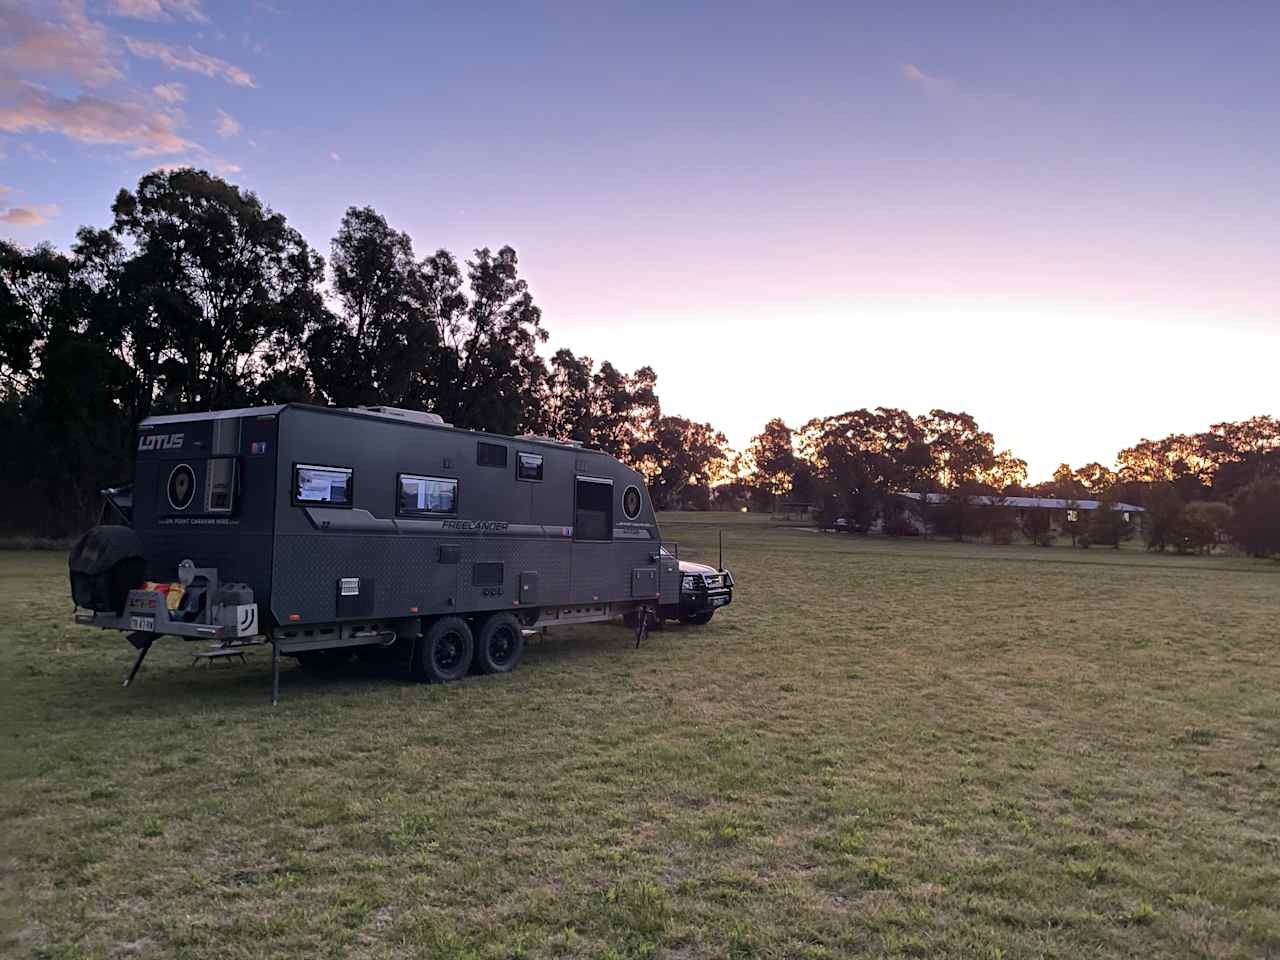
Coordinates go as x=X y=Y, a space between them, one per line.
x=199 y=296
x=1198 y=490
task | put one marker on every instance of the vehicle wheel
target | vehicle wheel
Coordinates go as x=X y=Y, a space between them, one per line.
x=444 y=651
x=698 y=619
x=323 y=659
x=499 y=645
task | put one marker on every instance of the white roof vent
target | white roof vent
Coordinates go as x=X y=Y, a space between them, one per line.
x=414 y=416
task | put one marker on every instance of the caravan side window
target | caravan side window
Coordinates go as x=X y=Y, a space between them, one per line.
x=593 y=509
x=328 y=485
x=491 y=454
x=426 y=496
x=528 y=466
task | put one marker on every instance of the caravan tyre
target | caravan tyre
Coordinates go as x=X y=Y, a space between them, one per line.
x=444 y=651
x=499 y=644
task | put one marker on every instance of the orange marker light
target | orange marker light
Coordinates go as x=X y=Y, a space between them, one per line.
x=413 y=609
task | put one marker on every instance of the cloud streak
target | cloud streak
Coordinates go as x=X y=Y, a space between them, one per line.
x=924 y=81
x=189 y=59
x=227 y=125
x=161 y=11
x=170 y=92
x=28 y=216
x=91 y=119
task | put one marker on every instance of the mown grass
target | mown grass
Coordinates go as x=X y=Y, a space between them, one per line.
x=892 y=749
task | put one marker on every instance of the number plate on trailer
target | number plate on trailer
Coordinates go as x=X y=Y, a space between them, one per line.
x=719 y=601
x=142 y=623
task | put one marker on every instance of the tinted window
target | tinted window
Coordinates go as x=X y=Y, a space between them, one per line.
x=426 y=495
x=331 y=485
x=491 y=454
x=593 y=513
x=528 y=466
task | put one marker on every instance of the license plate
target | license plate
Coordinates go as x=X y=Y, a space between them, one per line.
x=142 y=623
x=719 y=601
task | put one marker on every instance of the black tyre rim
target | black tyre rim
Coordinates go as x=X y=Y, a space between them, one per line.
x=447 y=654
x=502 y=646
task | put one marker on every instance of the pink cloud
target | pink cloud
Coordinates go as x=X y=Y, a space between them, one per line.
x=28 y=216
x=921 y=79
x=159 y=10
x=227 y=125
x=75 y=45
x=189 y=59
x=91 y=119
x=170 y=92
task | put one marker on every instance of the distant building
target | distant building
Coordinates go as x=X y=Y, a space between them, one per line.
x=1061 y=512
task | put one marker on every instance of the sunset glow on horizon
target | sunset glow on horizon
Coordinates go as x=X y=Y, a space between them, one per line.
x=1062 y=221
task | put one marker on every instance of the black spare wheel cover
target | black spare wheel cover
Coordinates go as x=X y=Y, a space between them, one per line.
x=182 y=486
x=105 y=564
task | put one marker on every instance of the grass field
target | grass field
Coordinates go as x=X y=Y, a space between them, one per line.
x=882 y=748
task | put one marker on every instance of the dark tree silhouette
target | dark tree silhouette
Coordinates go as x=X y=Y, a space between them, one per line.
x=222 y=287
x=383 y=342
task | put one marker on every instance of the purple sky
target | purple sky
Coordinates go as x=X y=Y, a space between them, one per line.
x=1061 y=218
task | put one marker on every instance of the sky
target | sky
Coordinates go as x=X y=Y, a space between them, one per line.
x=1063 y=218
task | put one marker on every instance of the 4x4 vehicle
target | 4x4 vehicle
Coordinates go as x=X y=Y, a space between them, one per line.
x=703 y=591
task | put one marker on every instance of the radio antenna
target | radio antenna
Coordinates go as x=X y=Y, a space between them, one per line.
x=722 y=548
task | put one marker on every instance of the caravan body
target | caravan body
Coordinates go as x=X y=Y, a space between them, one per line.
x=355 y=526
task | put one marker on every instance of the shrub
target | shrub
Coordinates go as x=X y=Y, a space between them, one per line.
x=1036 y=527
x=1109 y=525
x=1256 y=521
x=1204 y=524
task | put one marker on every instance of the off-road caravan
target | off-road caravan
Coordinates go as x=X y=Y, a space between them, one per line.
x=322 y=529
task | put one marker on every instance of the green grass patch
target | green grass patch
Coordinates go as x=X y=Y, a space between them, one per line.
x=898 y=749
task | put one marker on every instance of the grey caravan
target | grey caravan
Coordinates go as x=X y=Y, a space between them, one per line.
x=323 y=529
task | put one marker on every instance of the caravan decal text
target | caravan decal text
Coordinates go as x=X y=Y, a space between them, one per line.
x=496 y=525
x=160 y=441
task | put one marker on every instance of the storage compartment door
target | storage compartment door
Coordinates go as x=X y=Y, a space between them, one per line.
x=528 y=587
x=644 y=582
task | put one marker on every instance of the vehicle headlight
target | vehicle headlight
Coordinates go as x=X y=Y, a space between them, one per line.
x=690 y=583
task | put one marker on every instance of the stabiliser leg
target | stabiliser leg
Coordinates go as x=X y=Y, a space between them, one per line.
x=143 y=643
x=275 y=673
x=642 y=626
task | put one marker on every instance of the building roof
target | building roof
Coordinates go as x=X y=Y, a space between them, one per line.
x=1033 y=503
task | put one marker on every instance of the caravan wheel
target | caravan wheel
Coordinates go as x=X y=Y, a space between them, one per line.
x=444 y=651
x=499 y=644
